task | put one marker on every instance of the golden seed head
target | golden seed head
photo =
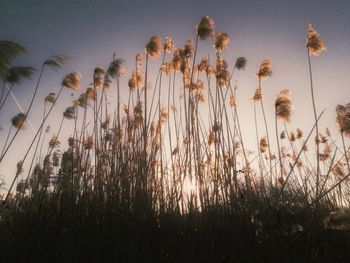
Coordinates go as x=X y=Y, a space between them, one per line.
x=283 y=105
x=343 y=119
x=153 y=47
x=265 y=69
x=221 y=41
x=72 y=80
x=314 y=43
x=206 y=27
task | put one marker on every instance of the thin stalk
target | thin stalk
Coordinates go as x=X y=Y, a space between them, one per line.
x=316 y=123
x=266 y=128
x=28 y=150
x=8 y=93
x=26 y=114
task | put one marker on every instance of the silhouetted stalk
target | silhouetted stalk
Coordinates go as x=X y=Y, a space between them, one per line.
x=345 y=152
x=36 y=149
x=238 y=129
x=8 y=93
x=160 y=137
x=145 y=127
x=266 y=129
x=7 y=138
x=190 y=111
x=316 y=123
x=49 y=154
x=26 y=114
x=28 y=150
x=2 y=91
x=278 y=146
x=329 y=171
x=229 y=138
x=257 y=142
x=300 y=152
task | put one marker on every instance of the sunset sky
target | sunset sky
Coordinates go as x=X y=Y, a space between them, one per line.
x=91 y=31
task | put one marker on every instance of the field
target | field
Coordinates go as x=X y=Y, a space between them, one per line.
x=163 y=174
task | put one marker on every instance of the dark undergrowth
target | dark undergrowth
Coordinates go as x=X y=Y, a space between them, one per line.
x=51 y=233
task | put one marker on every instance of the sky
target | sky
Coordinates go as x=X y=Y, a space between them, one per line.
x=91 y=31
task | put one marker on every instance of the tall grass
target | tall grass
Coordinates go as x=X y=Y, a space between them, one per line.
x=152 y=180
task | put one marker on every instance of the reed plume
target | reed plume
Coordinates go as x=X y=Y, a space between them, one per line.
x=265 y=69
x=221 y=41
x=168 y=44
x=18 y=120
x=283 y=105
x=72 y=80
x=258 y=95
x=343 y=119
x=206 y=28
x=116 y=68
x=8 y=51
x=153 y=47
x=241 y=63
x=314 y=43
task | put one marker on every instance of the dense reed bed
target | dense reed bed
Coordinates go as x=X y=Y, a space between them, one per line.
x=163 y=175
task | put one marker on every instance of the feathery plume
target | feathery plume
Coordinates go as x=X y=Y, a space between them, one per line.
x=232 y=102
x=338 y=170
x=107 y=82
x=263 y=144
x=283 y=105
x=81 y=101
x=203 y=65
x=153 y=47
x=139 y=59
x=8 y=51
x=16 y=74
x=19 y=168
x=136 y=80
x=72 y=80
x=326 y=153
x=211 y=71
x=241 y=63
x=54 y=142
x=257 y=95
x=343 y=119
x=116 y=68
x=176 y=60
x=99 y=77
x=51 y=97
x=56 y=62
x=69 y=113
x=299 y=133
x=205 y=28
x=90 y=94
x=168 y=44
x=221 y=41
x=188 y=49
x=222 y=74
x=265 y=69
x=167 y=68
x=18 y=121
x=283 y=135
x=292 y=136
x=314 y=43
